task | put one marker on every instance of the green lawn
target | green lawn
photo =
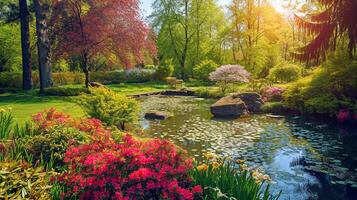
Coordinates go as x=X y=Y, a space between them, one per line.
x=26 y=104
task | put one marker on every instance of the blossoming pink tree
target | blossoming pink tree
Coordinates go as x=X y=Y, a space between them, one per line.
x=229 y=74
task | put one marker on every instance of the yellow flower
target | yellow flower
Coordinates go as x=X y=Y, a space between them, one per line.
x=215 y=165
x=240 y=161
x=2 y=110
x=202 y=167
x=266 y=177
x=209 y=156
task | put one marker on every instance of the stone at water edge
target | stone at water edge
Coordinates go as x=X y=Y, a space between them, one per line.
x=252 y=100
x=229 y=107
x=159 y=115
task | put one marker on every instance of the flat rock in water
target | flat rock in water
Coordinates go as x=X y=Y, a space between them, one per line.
x=159 y=115
x=275 y=116
x=229 y=107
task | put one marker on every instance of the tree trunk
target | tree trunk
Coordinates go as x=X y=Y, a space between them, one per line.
x=25 y=45
x=43 y=43
x=85 y=69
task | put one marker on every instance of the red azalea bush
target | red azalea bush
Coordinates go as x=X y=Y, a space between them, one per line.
x=47 y=120
x=128 y=170
x=273 y=94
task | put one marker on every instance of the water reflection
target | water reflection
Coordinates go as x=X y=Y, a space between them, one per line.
x=307 y=159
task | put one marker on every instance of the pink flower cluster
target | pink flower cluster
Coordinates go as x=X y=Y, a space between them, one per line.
x=272 y=94
x=132 y=169
x=345 y=115
x=230 y=74
x=48 y=119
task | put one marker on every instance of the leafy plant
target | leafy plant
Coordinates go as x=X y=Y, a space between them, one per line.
x=164 y=70
x=19 y=180
x=112 y=108
x=6 y=121
x=203 y=70
x=285 y=72
x=327 y=90
x=223 y=179
x=50 y=146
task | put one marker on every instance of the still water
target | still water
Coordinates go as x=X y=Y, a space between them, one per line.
x=306 y=159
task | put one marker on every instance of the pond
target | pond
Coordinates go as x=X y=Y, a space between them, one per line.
x=305 y=159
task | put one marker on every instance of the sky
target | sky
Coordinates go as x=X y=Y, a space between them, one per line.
x=277 y=4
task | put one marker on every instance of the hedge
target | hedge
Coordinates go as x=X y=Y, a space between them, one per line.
x=14 y=79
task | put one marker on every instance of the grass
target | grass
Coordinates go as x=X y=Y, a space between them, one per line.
x=26 y=104
x=137 y=88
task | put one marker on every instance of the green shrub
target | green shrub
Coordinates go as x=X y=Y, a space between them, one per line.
x=10 y=79
x=50 y=146
x=20 y=180
x=112 y=108
x=225 y=180
x=327 y=90
x=164 y=70
x=285 y=72
x=13 y=80
x=273 y=107
x=202 y=70
x=65 y=91
x=209 y=93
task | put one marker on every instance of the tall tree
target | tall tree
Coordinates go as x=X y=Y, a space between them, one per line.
x=43 y=42
x=187 y=31
x=337 y=19
x=88 y=28
x=25 y=44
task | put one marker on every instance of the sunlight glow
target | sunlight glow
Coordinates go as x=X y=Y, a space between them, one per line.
x=280 y=5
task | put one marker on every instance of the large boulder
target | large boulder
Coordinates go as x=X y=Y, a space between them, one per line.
x=158 y=115
x=229 y=107
x=252 y=100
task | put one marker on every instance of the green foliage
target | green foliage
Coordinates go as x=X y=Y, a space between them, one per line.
x=285 y=72
x=330 y=88
x=6 y=121
x=225 y=180
x=206 y=92
x=112 y=108
x=10 y=47
x=10 y=80
x=50 y=146
x=164 y=70
x=202 y=70
x=20 y=180
x=65 y=91
x=14 y=79
x=273 y=107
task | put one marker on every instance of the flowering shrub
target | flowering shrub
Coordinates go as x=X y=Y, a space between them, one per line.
x=344 y=115
x=273 y=94
x=227 y=74
x=53 y=132
x=110 y=107
x=128 y=170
